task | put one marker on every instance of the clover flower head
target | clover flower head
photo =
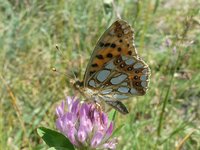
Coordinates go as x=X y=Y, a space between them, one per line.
x=84 y=125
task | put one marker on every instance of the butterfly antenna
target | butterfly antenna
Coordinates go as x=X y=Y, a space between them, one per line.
x=59 y=51
x=75 y=77
x=72 y=78
x=66 y=74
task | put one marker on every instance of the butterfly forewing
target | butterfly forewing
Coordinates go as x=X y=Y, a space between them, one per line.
x=117 y=40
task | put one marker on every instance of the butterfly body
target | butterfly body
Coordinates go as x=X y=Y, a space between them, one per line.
x=86 y=92
x=115 y=71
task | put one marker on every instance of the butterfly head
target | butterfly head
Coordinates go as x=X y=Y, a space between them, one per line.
x=78 y=85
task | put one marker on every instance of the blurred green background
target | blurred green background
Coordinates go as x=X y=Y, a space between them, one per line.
x=167 y=36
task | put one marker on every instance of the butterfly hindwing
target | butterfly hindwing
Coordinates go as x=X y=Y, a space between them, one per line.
x=121 y=78
x=119 y=106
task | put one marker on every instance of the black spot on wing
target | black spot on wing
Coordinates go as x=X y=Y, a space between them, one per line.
x=109 y=55
x=99 y=56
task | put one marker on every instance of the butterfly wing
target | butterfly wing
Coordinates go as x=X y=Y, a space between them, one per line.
x=122 y=77
x=127 y=76
x=115 y=70
x=117 y=40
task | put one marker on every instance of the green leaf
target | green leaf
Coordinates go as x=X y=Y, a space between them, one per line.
x=54 y=139
x=112 y=115
x=118 y=129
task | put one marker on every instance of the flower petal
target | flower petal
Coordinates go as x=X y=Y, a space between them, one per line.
x=85 y=121
x=69 y=117
x=82 y=135
x=84 y=110
x=59 y=124
x=96 y=140
x=75 y=107
x=104 y=118
x=60 y=109
x=69 y=102
x=71 y=135
x=109 y=130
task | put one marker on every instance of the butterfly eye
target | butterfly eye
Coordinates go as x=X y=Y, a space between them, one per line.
x=78 y=84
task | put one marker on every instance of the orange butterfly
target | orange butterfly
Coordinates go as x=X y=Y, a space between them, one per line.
x=115 y=71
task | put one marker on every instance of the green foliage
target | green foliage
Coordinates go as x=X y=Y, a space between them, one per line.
x=166 y=35
x=54 y=139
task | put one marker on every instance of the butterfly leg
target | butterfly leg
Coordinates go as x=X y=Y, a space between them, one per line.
x=119 y=106
x=98 y=106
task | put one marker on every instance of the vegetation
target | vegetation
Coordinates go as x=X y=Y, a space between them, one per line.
x=167 y=36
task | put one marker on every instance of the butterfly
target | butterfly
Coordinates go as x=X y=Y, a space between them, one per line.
x=115 y=71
